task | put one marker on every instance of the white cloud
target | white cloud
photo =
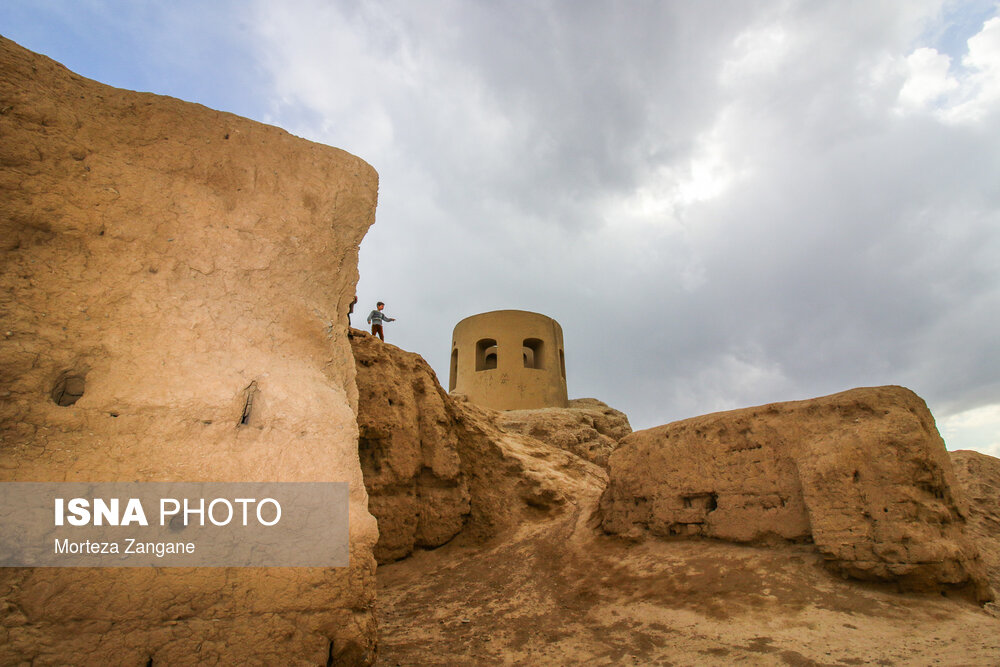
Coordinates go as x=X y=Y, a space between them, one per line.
x=959 y=95
x=977 y=429
x=667 y=191
x=757 y=51
x=329 y=68
x=711 y=170
x=981 y=94
x=927 y=79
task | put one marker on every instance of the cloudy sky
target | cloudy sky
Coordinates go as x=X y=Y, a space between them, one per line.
x=723 y=203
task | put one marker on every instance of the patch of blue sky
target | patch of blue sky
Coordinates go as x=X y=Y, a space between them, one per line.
x=197 y=51
x=959 y=20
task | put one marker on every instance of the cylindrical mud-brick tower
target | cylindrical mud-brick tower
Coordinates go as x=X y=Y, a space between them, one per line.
x=509 y=360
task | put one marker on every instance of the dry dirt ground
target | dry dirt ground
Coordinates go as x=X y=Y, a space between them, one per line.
x=558 y=592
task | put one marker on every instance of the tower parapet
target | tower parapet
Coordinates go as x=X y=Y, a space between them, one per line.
x=509 y=360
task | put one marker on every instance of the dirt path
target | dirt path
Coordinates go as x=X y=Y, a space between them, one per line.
x=558 y=592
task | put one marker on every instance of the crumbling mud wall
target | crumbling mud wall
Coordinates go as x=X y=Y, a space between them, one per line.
x=174 y=288
x=979 y=475
x=863 y=474
x=439 y=468
x=587 y=427
x=408 y=444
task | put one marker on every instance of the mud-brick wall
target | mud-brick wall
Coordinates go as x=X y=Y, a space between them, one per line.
x=160 y=262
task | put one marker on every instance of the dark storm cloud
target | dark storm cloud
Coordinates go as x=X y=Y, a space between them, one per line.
x=723 y=205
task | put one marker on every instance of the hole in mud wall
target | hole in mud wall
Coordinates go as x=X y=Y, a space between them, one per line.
x=68 y=388
x=707 y=502
x=712 y=503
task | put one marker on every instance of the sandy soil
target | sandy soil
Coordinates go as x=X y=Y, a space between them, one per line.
x=558 y=592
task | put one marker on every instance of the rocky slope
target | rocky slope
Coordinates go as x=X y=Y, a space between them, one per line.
x=161 y=263
x=862 y=474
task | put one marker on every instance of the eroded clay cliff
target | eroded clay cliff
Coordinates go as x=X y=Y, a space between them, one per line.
x=437 y=466
x=862 y=474
x=162 y=264
x=408 y=444
x=979 y=476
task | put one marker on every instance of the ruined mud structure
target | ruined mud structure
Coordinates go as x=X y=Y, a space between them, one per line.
x=172 y=282
x=169 y=279
x=509 y=360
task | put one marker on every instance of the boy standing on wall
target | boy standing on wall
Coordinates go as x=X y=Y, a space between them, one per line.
x=376 y=317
